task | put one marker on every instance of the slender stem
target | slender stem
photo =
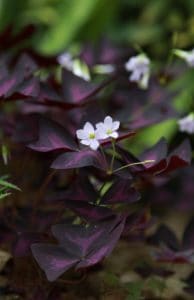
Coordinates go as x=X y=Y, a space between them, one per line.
x=134 y=164
x=100 y=190
x=103 y=154
x=113 y=155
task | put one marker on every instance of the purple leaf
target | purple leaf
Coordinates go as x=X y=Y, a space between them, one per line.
x=169 y=256
x=80 y=246
x=29 y=87
x=121 y=192
x=79 y=159
x=52 y=136
x=136 y=224
x=79 y=189
x=89 y=211
x=165 y=236
x=180 y=157
x=23 y=69
x=76 y=90
x=24 y=240
x=104 y=245
x=54 y=260
x=158 y=153
x=128 y=158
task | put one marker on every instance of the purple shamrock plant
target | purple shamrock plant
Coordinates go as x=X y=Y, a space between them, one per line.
x=72 y=122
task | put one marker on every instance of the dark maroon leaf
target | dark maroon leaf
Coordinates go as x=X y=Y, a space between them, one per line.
x=25 y=66
x=165 y=236
x=128 y=158
x=80 y=246
x=24 y=240
x=121 y=191
x=11 y=82
x=172 y=250
x=92 y=243
x=158 y=153
x=29 y=88
x=53 y=259
x=52 y=136
x=152 y=115
x=89 y=211
x=76 y=90
x=180 y=157
x=80 y=189
x=79 y=159
x=136 y=224
x=169 y=256
x=103 y=246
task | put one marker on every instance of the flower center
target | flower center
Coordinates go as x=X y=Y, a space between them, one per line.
x=92 y=136
x=109 y=131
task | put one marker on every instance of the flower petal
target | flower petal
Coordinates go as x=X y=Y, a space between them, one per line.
x=101 y=134
x=114 y=135
x=85 y=142
x=115 y=125
x=88 y=128
x=108 y=122
x=81 y=134
x=94 y=144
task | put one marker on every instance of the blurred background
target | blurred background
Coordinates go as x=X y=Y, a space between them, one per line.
x=155 y=25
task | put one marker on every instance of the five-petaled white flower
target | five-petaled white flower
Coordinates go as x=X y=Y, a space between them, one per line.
x=188 y=56
x=186 y=124
x=89 y=136
x=108 y=128
x=139 y=65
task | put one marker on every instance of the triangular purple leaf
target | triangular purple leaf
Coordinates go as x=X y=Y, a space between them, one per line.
x=53 y=259
x=180 y=157
x=121 y=192
x=52 y=136
x=76 y=90
x=79 y=159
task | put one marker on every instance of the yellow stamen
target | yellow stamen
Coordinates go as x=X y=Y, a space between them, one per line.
x=109 y=131
x=92 y=136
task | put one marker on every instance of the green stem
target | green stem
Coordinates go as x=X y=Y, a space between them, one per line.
x=134 y=164
x=100 y=190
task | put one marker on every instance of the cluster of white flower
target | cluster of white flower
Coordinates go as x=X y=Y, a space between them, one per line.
x=91 y=136
x=188 y=56
x=139 y=66
x=186 y=124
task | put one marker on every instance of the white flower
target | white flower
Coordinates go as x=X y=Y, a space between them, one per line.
x=66 y=60
x=76 y=66
x=81 y=69
x=186 y=124
x=188 y=56
x=108 y=128
x=88 y=136
x=140 y=67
